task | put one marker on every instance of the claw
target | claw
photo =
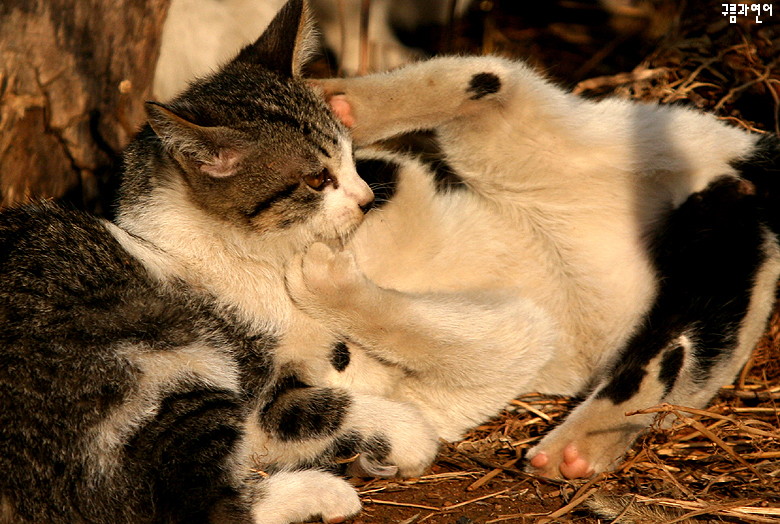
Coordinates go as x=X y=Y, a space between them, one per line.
x=365 y=467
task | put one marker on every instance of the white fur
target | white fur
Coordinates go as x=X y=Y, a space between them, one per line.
x=156 y=261
x=458 y=356
x=297 y=496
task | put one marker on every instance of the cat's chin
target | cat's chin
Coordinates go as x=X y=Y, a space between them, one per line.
x=338 y=241
x=336 y=244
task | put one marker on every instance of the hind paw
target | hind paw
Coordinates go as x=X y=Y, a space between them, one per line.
x=569 y=463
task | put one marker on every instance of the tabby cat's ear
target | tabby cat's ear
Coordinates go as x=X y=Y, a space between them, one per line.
x=215 y=151
x=287 y=43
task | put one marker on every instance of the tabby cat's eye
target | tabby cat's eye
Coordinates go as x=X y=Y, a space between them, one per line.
x=318 y=181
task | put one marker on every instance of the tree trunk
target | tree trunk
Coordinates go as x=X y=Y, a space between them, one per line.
x=73 y=78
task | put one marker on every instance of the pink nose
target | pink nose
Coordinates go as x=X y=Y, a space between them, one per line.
x=365 y=199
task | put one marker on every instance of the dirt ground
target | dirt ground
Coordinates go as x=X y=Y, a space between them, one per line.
x=714 y=465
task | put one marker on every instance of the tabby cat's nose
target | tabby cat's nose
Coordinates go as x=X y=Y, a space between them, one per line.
x=365 y=208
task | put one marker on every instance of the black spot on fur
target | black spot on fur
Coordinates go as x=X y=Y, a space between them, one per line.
x=670 y=367
x=377 y=447
x=430 y=153
x=624 y=383
x=762 y=169
x=340 y=356
x=303 y=413
x=381 y=176
x=425 y=146
x=707 y=253
x=345 y=446
x=286 y=384
x=484 y=84
x=445 y=178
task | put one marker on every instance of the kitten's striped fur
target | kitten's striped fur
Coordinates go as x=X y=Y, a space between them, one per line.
x=148 y=373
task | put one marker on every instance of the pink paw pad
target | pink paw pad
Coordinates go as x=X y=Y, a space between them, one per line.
x=540 y=460
x=573 y=465
x=342 y=109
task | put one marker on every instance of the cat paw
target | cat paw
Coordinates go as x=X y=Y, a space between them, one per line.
x=592 y=439
x=337 y=502
x=401 y=437
x=297 y=496
x=567 y=463
x=414 y=450
x=581 y=450
x=342 y=109
x=333 y=91
x=325 y=269
x=324 y=277
x=363 y=466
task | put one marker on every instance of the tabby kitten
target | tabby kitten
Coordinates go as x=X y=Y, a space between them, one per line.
x=149 y=373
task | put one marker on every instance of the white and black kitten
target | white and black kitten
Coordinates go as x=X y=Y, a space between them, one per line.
x=640 y=239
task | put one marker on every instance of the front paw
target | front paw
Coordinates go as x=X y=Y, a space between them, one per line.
x=333 y=90
x=322 y=277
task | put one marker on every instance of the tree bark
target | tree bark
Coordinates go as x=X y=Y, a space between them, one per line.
x=73 y=78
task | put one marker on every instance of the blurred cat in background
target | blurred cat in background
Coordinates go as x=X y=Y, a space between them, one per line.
x=198 y=35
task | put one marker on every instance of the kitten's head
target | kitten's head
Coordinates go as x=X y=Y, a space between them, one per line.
x=257 y=147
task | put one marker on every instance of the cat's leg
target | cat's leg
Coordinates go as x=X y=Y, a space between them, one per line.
x=463 y=355
x=292 y=443
x=427 y=94
x=425 y=333
x=308 y=426
x=718 y=266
